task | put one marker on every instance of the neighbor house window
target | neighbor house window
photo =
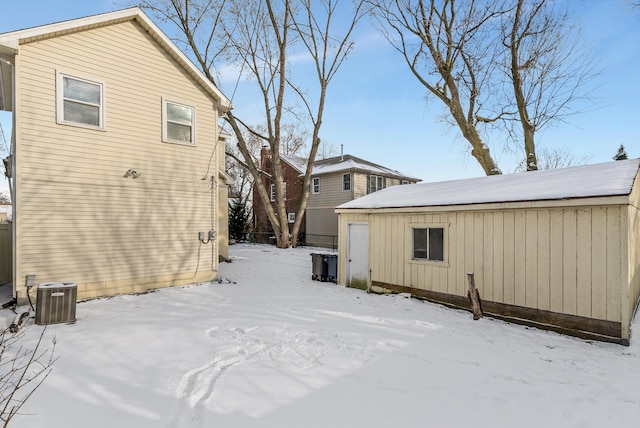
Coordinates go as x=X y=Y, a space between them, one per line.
x=273 y=192
x=376 y=183
x=404 y=182
x=80 y=102
x=316 y=185
x=346 y=182
x=178 y=123
x=291 y=217
x=428 y=243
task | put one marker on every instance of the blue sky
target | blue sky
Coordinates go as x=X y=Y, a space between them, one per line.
x=378 y=111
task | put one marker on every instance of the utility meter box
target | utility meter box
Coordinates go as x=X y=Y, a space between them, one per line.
x=56 y=302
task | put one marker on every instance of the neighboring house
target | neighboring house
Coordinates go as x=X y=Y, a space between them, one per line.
x=5 y=211
x=337 y=180
x=292 y=168
x=557 y=249
x=116 y=158
x=334 y=181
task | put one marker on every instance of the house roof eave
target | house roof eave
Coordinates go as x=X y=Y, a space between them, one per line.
x=15 y=38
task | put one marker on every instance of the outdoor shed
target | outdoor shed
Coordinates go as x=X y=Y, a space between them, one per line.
x=557 y=249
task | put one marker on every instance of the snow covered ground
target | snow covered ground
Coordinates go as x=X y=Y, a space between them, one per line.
x=273 y=348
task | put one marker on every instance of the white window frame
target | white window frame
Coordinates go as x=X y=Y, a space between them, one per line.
x=315 y=185
x=373 y=183
x=291 y=217
x=165 y=121
x=343 y=182
x=272 y=192
x=60 y=99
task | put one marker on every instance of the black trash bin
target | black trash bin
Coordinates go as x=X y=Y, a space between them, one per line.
x=332 y=267
x=324 y=267
x=318 y=267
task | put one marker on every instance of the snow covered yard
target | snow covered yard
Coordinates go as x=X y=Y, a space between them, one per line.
x=272 y=348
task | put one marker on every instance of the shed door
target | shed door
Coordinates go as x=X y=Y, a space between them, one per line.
x=358 y=255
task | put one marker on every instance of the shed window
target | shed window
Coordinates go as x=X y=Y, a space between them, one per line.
x=316 y=185
x=80 y=102
x=178 y=123
x=346 y=182
x=428 y=243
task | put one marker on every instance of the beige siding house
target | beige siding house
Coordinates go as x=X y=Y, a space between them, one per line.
x=557 y=249
x=338 y=180
x=115 y=157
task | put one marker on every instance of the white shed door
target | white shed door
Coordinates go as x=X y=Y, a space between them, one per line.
x=358 y=255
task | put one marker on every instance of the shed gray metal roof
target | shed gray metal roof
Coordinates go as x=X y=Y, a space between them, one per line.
x=605 y=179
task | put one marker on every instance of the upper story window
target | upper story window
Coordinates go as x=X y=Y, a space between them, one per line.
x=346 y=182
x=428 y=243
x=178 y=123
x=80 y=102
x=376 y=183
x=272 y=192
x=316 y=185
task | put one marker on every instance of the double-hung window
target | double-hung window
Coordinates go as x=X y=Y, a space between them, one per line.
x=273 y=192
x=80 y=102
x=428 y=243
x=316 y=185
x=346 y=182
x=376 y=183
x=178 y=123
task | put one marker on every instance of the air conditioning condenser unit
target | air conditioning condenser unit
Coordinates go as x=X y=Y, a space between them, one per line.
x=56 y=302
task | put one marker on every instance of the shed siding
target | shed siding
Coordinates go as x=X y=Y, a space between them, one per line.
x=634 y=249
x=548 y=259
x=78 y=218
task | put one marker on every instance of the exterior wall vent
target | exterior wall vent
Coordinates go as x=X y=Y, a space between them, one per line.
x=56 y=302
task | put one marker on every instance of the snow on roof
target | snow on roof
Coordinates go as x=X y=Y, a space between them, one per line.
x=348 y=163
x=605 y=179
x=300 y=164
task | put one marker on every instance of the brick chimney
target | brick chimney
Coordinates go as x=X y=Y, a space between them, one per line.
x=265 y=158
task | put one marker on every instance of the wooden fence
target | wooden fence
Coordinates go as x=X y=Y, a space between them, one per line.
x=6 y=250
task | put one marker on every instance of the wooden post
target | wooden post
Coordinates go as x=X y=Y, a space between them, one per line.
x=474 y=297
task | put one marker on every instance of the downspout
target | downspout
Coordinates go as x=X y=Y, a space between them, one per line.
x=11 y=177
x=13 y=128
x=214 y=217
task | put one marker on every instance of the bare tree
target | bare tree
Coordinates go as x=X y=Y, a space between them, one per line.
x=22 y=371
x=546 y=67
x=259 y=37
x=514 y=66
x=448 y=47
x=552 y=158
